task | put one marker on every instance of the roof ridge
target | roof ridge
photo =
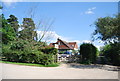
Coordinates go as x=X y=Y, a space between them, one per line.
x=66 y=44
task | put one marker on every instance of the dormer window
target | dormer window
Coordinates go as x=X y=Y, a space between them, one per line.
x=58 y=43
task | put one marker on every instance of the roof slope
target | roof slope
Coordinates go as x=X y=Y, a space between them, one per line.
x=64 y=45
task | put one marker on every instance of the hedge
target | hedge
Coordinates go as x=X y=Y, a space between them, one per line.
x=23 y=52
x=111 y=53
x=88 y=53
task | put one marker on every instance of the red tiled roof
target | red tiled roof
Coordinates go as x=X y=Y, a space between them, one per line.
x=64 y=45
x=73 y=44
x=51 y=44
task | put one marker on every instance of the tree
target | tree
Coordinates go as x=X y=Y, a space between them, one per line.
x=112 y=53
x=107 y=29
x=7 y=31
x=43 y=24
x=13 y=21
x=88 y=53
x=28 y=32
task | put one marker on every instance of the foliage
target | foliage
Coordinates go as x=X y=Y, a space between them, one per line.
x=88 y=53
x=19 y=44
x=28 y=32
x=107 y=29
x=13 y=21
x=49 y=50
x=112 y=53
x=74 y=51
x=7 y=31
x=22 y=46
x=23 y=51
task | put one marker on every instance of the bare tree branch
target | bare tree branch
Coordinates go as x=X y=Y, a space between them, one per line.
x=43 y=24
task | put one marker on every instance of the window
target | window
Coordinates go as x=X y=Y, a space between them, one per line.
x=58 y=43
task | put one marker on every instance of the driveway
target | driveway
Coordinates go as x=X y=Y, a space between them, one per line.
x=11 y=71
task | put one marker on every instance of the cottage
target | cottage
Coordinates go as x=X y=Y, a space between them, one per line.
x=64 y=46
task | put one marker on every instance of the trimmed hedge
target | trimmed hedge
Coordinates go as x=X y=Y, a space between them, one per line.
x=88 y=53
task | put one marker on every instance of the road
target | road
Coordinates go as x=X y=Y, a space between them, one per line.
x=11 y=71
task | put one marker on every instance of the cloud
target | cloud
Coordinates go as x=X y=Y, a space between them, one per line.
x=86 y=41
x=90 y=10
x=99 y=46
x=49 y=36
x=52 y=36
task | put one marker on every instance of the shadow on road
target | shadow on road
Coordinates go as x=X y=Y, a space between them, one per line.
x=93 y=66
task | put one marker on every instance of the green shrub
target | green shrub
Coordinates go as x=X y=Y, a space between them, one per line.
x=26 y=54
x=46 y=59
x=6 y=52
x=88 y=53
x=112 y=53
x=49 y=50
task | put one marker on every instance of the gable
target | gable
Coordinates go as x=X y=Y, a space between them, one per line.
x=64 y=45
x=74 y=44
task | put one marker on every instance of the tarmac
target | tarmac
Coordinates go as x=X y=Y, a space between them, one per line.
x=64 y=71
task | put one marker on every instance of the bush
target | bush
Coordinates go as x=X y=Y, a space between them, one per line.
x=22 y=51
x=18 y=45
x=112 y=53
x=49 y=50
x=46 y=59
x=88 y=53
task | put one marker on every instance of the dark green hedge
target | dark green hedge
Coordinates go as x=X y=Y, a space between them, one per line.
x=88 y=53
x=112 y=53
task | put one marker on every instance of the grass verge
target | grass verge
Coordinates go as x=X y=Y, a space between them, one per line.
x=30 y=64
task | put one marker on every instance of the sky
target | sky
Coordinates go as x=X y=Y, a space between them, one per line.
x=71 y=21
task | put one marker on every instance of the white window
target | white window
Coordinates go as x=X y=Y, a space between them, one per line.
x=56 y=46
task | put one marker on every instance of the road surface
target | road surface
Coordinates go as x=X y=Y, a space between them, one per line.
x=11 y=71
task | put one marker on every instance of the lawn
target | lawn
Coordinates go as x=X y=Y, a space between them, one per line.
x=31 y=64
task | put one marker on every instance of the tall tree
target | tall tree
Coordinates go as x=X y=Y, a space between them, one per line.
x=107 y=29
x=13 y=21
x=43 y=24
x=28 y=32
x=7 y=31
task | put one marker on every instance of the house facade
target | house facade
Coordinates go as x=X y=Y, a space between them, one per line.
x=64 y=46
x=65 y=49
